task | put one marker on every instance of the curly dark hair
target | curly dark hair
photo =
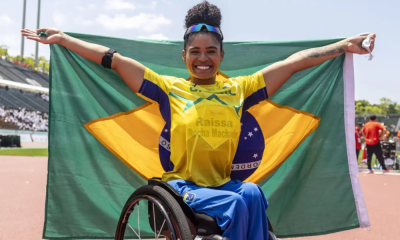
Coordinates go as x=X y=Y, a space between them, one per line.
x=204 y=12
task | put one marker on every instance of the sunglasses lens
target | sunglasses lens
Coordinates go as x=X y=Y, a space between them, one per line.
x=195 y=28
x=198 y=27
x=211 y=28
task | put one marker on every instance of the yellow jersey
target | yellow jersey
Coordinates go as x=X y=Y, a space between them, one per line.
x=208 y=137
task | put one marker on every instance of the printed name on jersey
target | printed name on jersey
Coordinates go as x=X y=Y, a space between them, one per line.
x=245 y=166
x=213 y=123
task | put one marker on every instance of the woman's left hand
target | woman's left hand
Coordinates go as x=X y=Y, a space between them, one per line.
x=354 y=44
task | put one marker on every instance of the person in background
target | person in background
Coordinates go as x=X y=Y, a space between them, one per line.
x=373 y=132
x=397 y=139
x=358 y=139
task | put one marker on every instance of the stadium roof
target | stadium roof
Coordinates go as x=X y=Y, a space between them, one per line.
x=22 y=76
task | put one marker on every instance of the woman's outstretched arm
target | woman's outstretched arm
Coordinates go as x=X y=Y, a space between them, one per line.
x=278 y=73
x=131 y=71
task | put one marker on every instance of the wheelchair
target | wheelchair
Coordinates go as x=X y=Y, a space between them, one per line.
x=390 y=155
x=168 y=216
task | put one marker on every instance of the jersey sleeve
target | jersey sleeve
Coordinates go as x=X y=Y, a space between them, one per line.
x=254 y=89
x=155 y=87
x=252 y=83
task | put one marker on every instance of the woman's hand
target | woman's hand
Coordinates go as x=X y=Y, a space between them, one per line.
x=354 y=44
x=53 y=35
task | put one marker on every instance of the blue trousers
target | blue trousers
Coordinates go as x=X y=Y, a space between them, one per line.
x=239 y=208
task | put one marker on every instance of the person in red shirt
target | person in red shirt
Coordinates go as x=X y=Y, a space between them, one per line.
x=373 y=132
x=358 y=139
x=398 y=133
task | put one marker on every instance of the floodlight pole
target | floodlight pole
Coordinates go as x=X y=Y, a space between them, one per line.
x=37 y=27
x=23 y=27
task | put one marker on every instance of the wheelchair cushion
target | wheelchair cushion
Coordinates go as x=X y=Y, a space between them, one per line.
x=206 y=225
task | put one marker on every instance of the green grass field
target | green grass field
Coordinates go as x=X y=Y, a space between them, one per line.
x=41 y=152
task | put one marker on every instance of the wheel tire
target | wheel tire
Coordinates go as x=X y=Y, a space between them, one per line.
x=272 y=236
x=170 y=203
x=396 y=166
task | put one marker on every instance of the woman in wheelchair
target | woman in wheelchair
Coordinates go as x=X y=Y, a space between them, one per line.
x=204 y=115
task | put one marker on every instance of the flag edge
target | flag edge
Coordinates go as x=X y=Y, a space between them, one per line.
x=349 y=124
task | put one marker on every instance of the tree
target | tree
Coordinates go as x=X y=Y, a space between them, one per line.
x=388 y=106
x=374 y=109
x=30 y=60
x=4 y=51
x=44 y=64
x=19 y=58
x=361 y=106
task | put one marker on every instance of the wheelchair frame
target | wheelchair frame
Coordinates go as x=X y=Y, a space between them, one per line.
x=168 y=205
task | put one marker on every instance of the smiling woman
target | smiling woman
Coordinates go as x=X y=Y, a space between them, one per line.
x=204 y=116
x=203 y=52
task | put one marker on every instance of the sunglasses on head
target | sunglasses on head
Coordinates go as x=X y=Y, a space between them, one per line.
x=199 y=27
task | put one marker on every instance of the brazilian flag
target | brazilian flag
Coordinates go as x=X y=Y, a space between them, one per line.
x=104 y=140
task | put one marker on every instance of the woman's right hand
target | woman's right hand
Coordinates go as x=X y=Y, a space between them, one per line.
x=53 y=35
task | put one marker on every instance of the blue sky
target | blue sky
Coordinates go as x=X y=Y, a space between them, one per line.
x=250 y=20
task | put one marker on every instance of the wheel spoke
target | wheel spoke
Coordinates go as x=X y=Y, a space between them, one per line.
x=133 y=230
x=160 y=229
x=138 y=219
x=155 y=226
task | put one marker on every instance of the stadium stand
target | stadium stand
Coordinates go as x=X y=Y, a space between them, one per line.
x=24 y=119
x=14 y=99
x=17 y=73
x=24 y=103
x=7 y=125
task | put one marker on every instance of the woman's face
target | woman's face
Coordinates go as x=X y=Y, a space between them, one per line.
x=203 y=56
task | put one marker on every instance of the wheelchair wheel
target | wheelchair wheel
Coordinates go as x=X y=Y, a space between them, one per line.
x=164 y=215
x=396 y=166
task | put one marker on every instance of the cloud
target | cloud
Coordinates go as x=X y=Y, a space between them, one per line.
x=5 y=20
x=118 y=5
x=12 y=41
x=152 y=5
x=87 y=23
x=79 y=21
x=144 y=21
x=92 y=6
x=156 y=36
x=59 y=18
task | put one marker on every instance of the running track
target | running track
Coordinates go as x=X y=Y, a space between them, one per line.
x=23 y=186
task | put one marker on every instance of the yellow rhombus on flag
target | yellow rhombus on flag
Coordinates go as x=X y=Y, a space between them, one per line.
x=133 y=136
